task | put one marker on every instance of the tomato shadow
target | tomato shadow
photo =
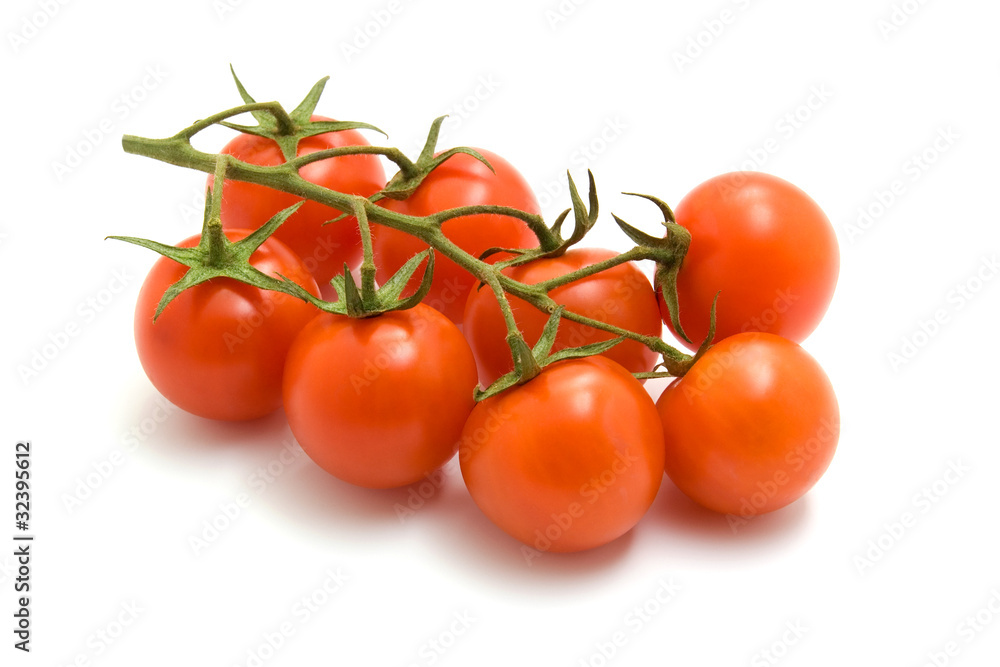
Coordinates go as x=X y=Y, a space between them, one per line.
x=463 y=534
x=317 y=502
x=706 y=534
x=196 y=434
x=159 y=431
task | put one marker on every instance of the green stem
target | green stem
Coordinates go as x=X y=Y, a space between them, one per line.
x=178 y=150
x=215 y=239
x=273 y=107
x=536 y=223
x=368 y=256
x=525 y=363
x=675 y=361
x=212 y=233
x=218 y=180
x=394 y=154
x=635 y=254
x=286 y=126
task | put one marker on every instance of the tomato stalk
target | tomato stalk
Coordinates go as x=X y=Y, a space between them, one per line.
x=668 y=252
x=212 y=233
x=635 y=254
x=675 y=361
x=368 y=257
x=216 y=256
x=525 y=365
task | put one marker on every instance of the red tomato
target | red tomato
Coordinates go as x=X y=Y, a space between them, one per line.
x=766 y=246
x=323 y=249
x=380 y=402
x=621 y=296
x=751 y=427
x=218 y=349
x=461 y=181
x=568 y=461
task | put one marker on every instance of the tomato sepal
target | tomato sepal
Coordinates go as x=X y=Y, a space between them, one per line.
x=665 y=280
x=707 y=343
x=360 y=302
x=288 y=128
x=541 y=354
x=668 y=251
x=216 y=256
x=585 y=217
x=411 y=174
x=395 y=286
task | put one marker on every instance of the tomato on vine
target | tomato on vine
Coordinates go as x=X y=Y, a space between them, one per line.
x=751 y=427
x=462 y=180
x=379 y=401
x=217 y=350
x=620 y=295
x=564 y=450
x=765 y=247
x=568 y=461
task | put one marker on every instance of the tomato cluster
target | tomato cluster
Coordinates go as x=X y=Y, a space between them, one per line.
x=570 y=455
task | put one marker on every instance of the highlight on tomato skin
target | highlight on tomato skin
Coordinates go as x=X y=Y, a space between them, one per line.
x=621 y=296
x=379 y=402
x=765 y=247
x=570 y=460
x=751 y=427
x=324 y=248
x=462 y=180
x=218 y=349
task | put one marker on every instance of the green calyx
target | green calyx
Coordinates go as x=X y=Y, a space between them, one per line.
x=551 y=241
x=668 y=252
x=412 y=174
x=288 y=128
x=367 y=301
x=216 y=256
x=528 y=364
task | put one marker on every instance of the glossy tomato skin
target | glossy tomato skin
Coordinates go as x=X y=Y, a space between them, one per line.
x=621 y=296
x=769 y=250
x=380 y=402
x=218 y=349
x=324 y=249
x=569 y=461
x=751 y=427
x=461 y=181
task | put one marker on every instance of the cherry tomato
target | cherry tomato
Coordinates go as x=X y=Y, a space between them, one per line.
x=218 y=349
x=751 y=427
x=380 y=402
x=766 y=246
x=567 y=461
x=324 y=249
x=461 y=181
x=621 y=296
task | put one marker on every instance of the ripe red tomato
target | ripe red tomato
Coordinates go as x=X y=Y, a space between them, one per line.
x=323 y=249
x=751 y=427
x=767 y=246
x=218 y=349
x=567 y=461
x=621 y=296
x=461 y=181
x=380 y=402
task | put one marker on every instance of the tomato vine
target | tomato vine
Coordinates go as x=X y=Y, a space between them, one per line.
x=217 y=257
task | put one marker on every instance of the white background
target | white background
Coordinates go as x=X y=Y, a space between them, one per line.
x=604 y=76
